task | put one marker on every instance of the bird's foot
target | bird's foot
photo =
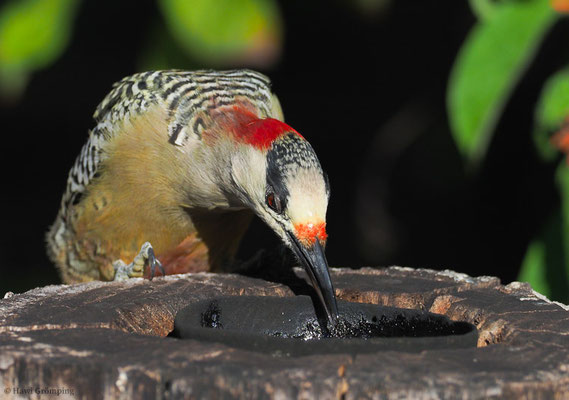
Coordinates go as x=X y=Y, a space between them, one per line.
x=135 y=269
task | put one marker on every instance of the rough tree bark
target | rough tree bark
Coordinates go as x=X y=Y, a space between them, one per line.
x=109 y=340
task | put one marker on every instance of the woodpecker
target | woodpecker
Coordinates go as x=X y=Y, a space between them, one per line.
x=175 y=168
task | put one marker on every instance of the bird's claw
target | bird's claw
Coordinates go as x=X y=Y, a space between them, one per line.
x=135 y=269
x=150 y=259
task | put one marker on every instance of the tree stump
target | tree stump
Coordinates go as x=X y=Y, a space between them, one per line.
x=110 y=340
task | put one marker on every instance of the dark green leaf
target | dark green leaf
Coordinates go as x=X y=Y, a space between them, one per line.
x=488 y=67
x=552 y=109
x=546 y=264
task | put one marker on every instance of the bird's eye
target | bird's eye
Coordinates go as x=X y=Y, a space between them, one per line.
x=273 y=202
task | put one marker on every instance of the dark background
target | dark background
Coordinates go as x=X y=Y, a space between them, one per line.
x=368 y=91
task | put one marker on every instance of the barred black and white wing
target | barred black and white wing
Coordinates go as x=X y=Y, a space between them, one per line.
x=183 y=94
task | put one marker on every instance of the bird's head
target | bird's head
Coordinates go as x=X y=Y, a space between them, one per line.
x=278 y=175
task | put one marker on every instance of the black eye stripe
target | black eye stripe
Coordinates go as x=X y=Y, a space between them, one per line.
x=275 y=179
x=285 y=157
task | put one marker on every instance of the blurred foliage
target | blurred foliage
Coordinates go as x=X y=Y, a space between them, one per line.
x=35 y=33
x=490 y=64
x=225 y=30
x=484 y=9
x=551 y=111
x=545 y=263
x=227 y=33
x=561 y=6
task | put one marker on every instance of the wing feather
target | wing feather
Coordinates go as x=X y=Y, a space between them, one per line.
x=182 y=93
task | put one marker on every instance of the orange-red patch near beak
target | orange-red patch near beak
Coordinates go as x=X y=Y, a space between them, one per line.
x=308 y=233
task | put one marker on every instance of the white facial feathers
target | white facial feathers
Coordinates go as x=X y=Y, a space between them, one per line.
x=308 y=198
x=248 y=171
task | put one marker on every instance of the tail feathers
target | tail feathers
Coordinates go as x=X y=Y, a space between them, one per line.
x=62 y=249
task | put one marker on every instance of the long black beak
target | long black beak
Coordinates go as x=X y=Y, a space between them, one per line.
x=316 y=266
